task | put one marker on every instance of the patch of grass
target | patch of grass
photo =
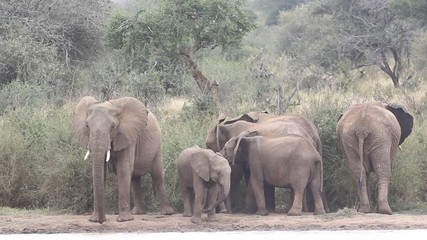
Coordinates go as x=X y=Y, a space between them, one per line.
x=7 y=211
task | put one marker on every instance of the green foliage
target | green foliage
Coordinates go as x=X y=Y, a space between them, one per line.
x=73 y=28
x=408 y=180
x=302 y=65
x=180 y=132
x=416 y=9
x=272 y=8
x=324 y=110
x=169 y=36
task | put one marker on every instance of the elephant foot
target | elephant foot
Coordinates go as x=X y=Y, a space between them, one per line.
x=167 y=210
x=384 y=210
x=95 y=218
x=249 y=211
x=294 y=212
x=123 y=217
x=138 y=211
x=195 y=219
x=186 y=214
x=364 y=209
x=319 y=212
x=211 y=218
x=263 y=212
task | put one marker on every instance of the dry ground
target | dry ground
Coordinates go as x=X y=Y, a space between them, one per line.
x=341 y=220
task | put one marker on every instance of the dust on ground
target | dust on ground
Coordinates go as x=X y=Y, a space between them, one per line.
x=341 y=220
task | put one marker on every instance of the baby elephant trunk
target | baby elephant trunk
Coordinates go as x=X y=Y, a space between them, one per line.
x=224 y=190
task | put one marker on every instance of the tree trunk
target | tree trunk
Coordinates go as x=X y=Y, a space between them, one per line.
x=394 y=74
x=202 y=81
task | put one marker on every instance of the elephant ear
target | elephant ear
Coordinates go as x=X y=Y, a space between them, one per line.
x=247 y=117
x=243 y=135
x=406 y=121
x=79 y=120
x=133 y=118
x=200 y=163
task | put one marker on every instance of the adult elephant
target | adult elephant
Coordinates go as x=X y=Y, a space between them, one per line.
x=369 y=134
x=266 y=125
x=289 y=161
x=124 y=135
x=202 y=171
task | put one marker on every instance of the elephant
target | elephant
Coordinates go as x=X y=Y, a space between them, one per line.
x=266 y=125
x=123 y=135
x=369 y=135
x=201 y=172
x=290 y=161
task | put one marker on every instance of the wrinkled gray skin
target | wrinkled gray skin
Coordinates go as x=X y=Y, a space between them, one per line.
x=201 y=173
x=369 y=134
x=286 y=162
x=266 y=125
x=132 y=134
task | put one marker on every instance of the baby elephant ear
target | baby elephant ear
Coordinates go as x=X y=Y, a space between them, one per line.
x=406 y=121
x=200 y=164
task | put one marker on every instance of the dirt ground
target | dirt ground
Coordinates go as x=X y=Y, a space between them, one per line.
x=341 y=220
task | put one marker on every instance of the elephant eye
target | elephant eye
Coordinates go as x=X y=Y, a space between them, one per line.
x=86 y=124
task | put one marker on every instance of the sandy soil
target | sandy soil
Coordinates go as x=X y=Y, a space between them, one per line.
x=342 y=220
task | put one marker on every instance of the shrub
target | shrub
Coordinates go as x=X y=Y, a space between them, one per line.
x=179 y=132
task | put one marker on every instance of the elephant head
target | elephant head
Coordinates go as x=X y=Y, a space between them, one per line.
x=102 y=127
x=211 y=166
x=231 y=148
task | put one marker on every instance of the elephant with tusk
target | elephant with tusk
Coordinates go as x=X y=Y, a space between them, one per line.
x=124 y=136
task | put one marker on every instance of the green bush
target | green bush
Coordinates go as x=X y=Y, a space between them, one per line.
x=180 y=132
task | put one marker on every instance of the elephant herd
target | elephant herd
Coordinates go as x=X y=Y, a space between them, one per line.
x=268 y=150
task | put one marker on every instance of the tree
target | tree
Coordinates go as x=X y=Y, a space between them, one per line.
x=416 y=9
x=177 y=30
x=34 y=35
x=363 y=33
x=372 y=34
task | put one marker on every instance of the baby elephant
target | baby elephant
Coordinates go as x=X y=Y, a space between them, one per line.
x=201 y=173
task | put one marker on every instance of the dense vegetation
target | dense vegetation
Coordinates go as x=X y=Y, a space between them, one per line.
x=312 y=57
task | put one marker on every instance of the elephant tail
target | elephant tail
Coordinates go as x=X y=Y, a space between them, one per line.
x=361 y=138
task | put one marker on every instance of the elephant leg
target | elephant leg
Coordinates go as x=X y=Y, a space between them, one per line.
x=325 y=201
x=291 y=202
x=186 y=195
x=362 y=189
x=124 y=170
x=138 y=195
x=269 y=195
x=315 y=187
x=296 y=209
x=304 y=202
x=212 y=195
x=250 y=203
x=199 y=194
x=257 y=182
x=227 y=205
x=382 y=168
x=159 y=185
x=236 y=176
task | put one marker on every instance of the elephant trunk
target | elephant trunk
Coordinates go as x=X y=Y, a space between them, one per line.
x=224 y=190
x=99 y=152
x=98 y=175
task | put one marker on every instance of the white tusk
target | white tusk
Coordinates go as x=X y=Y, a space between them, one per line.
x=87 y=155
x=108 y=156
